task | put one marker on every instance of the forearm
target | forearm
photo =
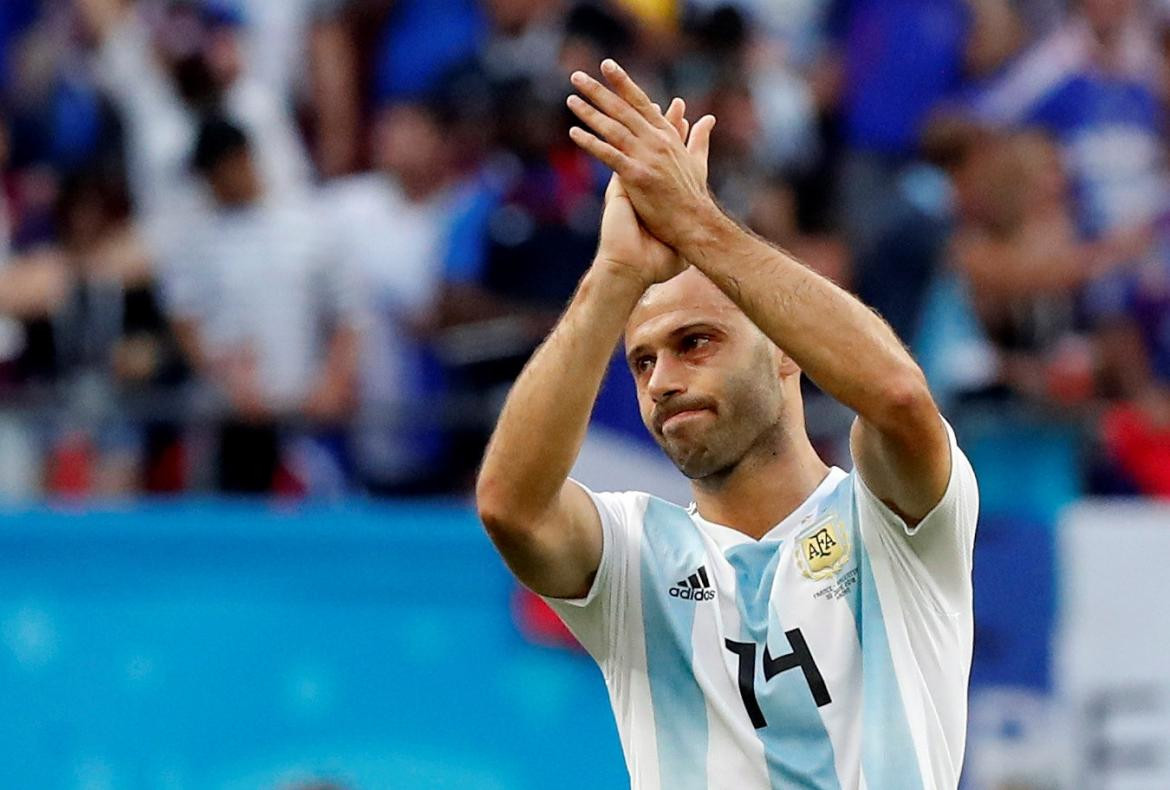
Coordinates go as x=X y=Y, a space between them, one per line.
x=544 y=419
x=334 y=395
x=335 y=98
x=339 y=370
x=843 y=346
x=100 y=16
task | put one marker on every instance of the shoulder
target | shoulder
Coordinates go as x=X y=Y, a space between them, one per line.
x=627 y=508
x=958 y=502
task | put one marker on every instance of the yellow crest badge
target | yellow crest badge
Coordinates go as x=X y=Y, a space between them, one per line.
x=823 y=550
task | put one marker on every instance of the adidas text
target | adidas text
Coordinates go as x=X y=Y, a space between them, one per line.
x=687 y=594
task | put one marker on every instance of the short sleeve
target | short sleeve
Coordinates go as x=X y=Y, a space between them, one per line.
x=185 y=280
x=347 y=301
x=941 y=543
x=597 y=619
x=342 y=289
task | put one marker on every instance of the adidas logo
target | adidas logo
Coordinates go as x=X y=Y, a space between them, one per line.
x=695 y=587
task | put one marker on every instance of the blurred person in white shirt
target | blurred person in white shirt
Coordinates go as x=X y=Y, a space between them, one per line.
x=164 y=64
x=392 y=227
x=307 y=52
x=268 y=310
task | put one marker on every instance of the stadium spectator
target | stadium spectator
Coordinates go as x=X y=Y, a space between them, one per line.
x=303 y=52
x=161 y=77
x=1136 y=351
x=392 y=227
x=1094 y=84
x=900 y=60
x=1019 y=249
x=94 y=330
x=267 y=310
x=477 y=216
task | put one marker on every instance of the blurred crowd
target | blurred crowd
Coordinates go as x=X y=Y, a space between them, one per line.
x=302 y=246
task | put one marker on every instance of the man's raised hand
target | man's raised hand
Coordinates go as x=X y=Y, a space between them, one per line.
x=626 y=247
x=664 y=174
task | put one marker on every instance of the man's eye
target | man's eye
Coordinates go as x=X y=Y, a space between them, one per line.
x=642 y=364
x=692 y=342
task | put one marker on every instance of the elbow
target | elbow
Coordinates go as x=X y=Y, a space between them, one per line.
x=907 y=405
x=499 y=512
x=489 y=503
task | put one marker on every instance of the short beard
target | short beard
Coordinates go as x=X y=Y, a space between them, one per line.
x=711 y=466
x=715 y=474
x=725 y=447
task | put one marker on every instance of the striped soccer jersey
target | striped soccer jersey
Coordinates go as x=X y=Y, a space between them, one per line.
x=832 y=653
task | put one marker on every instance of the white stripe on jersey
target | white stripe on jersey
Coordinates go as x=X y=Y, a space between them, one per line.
x=730 y=750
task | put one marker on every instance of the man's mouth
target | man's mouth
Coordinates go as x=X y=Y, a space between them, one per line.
x=682 y=416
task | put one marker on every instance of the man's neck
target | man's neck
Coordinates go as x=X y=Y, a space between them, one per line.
x=765 y=487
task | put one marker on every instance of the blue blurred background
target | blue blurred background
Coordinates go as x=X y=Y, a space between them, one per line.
x=244 y=646
x=268 y=267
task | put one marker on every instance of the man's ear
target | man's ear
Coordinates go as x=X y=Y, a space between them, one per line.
x=785 y=364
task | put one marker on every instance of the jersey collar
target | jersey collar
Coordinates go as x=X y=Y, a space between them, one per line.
x=803 y=515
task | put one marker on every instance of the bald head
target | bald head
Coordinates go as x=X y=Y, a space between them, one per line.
x=690 y=293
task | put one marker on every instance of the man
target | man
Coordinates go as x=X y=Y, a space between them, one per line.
x=797 y=626
x=1095 y=84
x=390 y=226
x=162 y=74
x=268 y=311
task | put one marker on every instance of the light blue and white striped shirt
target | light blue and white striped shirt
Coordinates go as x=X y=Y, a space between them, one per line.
x=832 y=654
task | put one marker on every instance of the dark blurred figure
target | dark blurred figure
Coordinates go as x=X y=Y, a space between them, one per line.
x=1017 y=264
x=95 y=332
x=1136 y=364
x=1020 y=249
x=266 y=313
x=520 y=240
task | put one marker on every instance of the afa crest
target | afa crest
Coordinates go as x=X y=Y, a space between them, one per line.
x=823 y=550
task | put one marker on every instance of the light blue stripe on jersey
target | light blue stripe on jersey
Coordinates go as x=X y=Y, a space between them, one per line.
x=797 y=746
x=673 y=548
x=888 y=759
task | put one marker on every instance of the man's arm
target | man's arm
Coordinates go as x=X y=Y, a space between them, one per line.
x=332 y=398
x=899 y=441
x=546 y=527
x=333 y=69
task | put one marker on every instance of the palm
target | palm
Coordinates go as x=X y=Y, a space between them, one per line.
x=625 y=241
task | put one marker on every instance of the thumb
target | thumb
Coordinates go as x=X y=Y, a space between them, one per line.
x=699 y=143
x=614 y=189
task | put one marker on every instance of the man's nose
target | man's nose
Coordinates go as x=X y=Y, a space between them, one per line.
x=666 y=380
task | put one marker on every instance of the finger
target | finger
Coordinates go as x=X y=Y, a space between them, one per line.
x=599 y=149
x=629 y=90
x=699 y=142
x=676 y=115
x=613 y=132
x=608 y=102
